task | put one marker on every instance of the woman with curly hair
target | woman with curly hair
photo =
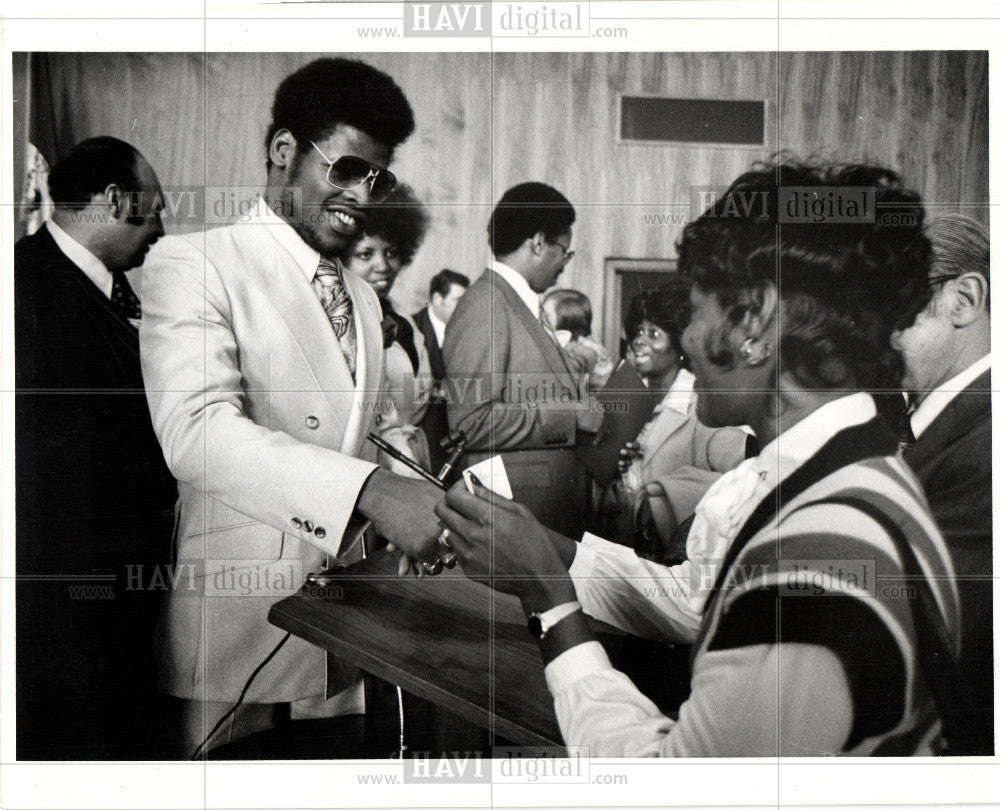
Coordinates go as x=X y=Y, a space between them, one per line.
x=393 y=231
x=675 y=458
x=829 y=610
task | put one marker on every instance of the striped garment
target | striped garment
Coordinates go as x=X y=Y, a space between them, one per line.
x=815 y=565
x=808 y=639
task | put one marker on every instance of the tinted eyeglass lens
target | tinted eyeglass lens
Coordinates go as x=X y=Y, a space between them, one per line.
x=384 y=183
x=349 y=172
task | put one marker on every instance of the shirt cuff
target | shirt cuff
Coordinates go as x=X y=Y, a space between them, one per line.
x=589 y=549
x=574 y=664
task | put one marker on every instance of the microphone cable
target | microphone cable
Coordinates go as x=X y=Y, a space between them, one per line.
x=246 y=688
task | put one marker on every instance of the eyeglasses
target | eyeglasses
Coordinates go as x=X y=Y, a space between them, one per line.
x=943 y=278
x=350 y=171
x=567 y=254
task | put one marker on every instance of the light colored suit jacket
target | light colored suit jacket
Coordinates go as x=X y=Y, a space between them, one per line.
x=680 y=453
x=264 y=429
x=508 y=385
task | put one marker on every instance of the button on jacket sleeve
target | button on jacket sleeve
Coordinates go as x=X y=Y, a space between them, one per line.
x=207 y=420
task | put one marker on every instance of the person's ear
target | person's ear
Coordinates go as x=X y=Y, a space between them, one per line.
x=969 y=293
x=757 y=326
x=116 y=201
x=282 y=149
x=538 y=244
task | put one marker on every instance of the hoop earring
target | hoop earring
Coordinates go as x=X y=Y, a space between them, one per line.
x=751 y=357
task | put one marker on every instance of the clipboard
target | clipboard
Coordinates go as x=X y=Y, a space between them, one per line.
x=627 y=405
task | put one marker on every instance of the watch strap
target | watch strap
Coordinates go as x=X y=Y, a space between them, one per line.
x=541 y=623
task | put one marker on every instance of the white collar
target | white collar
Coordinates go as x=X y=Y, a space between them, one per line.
x=520 y=285
x=939 y=399
x=437 y=325
x=680 y=394
x=304 y=256
x=92 y=267
x=787 y=452
x=730 y=501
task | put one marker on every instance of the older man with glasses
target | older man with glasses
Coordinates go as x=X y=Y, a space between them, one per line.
x=947 y=356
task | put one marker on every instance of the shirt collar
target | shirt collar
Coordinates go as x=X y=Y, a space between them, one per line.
x=939 y=399
x=786 y=453
x=437 y=325
x=520 y=285
x=680 y=394
x=92 y=267
x=304 y=256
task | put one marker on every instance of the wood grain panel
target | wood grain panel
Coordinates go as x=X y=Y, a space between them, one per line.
x=488 y=121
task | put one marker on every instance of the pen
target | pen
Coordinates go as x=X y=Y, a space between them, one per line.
x=403 y=459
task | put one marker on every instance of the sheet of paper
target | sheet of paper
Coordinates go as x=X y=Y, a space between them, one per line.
x=493 y=474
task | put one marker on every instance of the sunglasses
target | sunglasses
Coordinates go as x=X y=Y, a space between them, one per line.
x=350 y=171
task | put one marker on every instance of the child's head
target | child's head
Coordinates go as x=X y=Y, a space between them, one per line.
x=568 y=310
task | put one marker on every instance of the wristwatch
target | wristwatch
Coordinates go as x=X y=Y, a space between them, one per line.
x=540 y=623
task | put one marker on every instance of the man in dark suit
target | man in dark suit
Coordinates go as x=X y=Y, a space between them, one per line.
x=94 y=497
x=510 y=388
x=947 y=356
x=446 y=288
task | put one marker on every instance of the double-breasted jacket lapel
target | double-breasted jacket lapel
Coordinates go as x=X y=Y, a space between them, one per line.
x=272 y=267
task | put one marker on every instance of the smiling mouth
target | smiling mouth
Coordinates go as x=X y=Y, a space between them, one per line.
x=342 y=222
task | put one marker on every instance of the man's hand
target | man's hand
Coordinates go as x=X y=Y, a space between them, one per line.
x=500 y=543
x=402 y=511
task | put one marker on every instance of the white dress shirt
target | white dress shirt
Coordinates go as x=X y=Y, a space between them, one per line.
x=666 y=602
x=92 y=267
x=437 y=325
x=533 y=302
x=655 y=601
x=521 y=287
x=939 y=399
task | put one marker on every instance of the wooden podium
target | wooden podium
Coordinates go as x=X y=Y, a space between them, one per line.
x=446 y=639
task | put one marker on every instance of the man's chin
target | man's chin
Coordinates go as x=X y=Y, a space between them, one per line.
x=330 y=245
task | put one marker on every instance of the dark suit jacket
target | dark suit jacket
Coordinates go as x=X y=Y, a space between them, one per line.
x=510 y=390
x=423 y=321
x=435 y=420
x=952 y=458
x=513 y=390
x=94 y=510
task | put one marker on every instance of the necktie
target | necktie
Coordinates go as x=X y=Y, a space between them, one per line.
x=329 y=287
x=124 y=297
x=907 y=439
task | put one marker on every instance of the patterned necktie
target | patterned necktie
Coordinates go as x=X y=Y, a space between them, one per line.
x=333 y=296
x=329 y=287
x=124 y=297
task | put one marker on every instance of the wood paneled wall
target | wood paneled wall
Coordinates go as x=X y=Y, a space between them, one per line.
x=486 y=122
